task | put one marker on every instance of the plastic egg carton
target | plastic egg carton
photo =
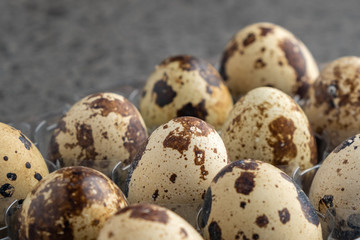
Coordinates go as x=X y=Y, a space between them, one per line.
x=39 y=131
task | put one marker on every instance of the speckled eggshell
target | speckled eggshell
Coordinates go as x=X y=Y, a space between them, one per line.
x=336 y=183
x=268 y=125
x=332 y=105
x=98 y=131
x=185 y=86
x=147 y=222
x=21 y=166
x=265 y=54
x=70 y=203
x=250 y=199
x=177 y=164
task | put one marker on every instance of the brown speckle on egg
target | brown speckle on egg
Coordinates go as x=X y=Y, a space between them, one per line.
x=262 y=221
x=249 y=39
x=284 y=215
x=163 y=92
x=197 y=110
x=7 y=190
x=214 y=231
x=173 y=177
x=282 y=131
x=245 y=183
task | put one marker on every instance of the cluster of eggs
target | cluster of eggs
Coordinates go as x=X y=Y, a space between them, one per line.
x=224 y=141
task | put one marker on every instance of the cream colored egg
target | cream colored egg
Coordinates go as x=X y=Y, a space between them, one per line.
x=336 y=185
x=70 y=203
x=265 y=54
x=268 y=125
x=250 y=199
x=177 y=164
x=185 y=86
x=21 y=166
x=333 y=102
x=98 y=131
x=147 y=222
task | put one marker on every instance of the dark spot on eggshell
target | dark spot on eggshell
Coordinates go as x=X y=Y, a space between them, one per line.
x=348 y=142
x=11 y=176
x=284 y=215
x=136 y=135
x=173 y=178
x=203 y=172
x=307 y=209
x=295 y=57
x=38 y=176
x=155 y=195
x=250 y=38
x=206 y=208
x=7 y=190
x=245 y=183
x=54 y=153
x=27 y=165
x=255 y=236
x=214 y=231
x=227 y=54
x=199 y=156
x=6 y=158
x=262 y=221
x=164 y=94
x=198 y=110
x=85 y=140
x=183 y=233
x=265 y=30
x=180 y=139
x=95 y=222
x=186 y=62
x=25 y=141
x=259 y=63
x=146 y=212
x=282 y=130
x=229 y=168
x=72 y=189
x=106 y=106
x=243 y=205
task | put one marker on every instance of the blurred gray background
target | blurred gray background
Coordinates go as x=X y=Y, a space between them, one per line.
x=51 y=50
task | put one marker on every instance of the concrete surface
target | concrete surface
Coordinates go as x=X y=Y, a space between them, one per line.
x=51 y=50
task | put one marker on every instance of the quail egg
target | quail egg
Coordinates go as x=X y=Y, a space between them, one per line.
x=176 y=166
x=70 y=203
x=268 y=125
x=332 y=105
x=265 y=54
x=21 y=166
x=145 y=222
x=250 y=199
x=98 y=131
x=184 y=85
x=335 y=187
